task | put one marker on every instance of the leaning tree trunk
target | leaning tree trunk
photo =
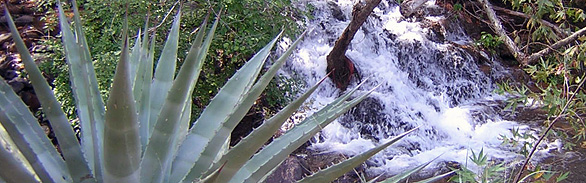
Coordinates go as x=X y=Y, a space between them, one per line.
x=340 y=66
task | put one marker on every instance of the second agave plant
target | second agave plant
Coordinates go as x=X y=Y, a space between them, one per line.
x=142 y=133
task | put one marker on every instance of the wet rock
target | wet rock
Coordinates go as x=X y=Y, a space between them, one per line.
x=24 y=20
x=317 y=161
x=253 y=119
x=9 y=74
x=336 y=11
x=291 y=170
x=17 y=84
x=30 y=99
x=409 y=7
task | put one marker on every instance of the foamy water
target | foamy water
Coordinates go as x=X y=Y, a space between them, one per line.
x=425 y=81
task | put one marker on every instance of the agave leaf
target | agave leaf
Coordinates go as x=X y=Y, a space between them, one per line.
x=95 y=101
x=213 y=177
x=164 y=72
x=121 y=136
x=70 y=148
x=436 y=178
x=259 y=86
x=159 y=151
x=185 y=119
x=96 y=97
x=239 y=154
x=335 y=171
x=273 y=154
x=80 y=83
x=243 y=107
x=30 y=139
x=210 y=124
x=135 y=56
x=141 y=61
x=374 y=179
x=256 y=91
x=405 y=174
x=144 y=108
x=13 y=170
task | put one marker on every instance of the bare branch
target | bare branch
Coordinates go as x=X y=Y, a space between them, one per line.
x=559 y=31
x=533 y=58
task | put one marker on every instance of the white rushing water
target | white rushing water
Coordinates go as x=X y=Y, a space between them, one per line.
x=426 y=81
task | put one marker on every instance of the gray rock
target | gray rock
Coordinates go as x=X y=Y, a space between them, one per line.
x=24 y=19
x=336 y=11
x=291 y=170
x=17 y=84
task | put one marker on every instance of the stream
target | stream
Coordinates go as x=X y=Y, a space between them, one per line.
x=427 y=80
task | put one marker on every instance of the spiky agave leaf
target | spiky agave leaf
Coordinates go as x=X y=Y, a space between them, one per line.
x=13 y=170
x=122 y=148
x=164 y=72
x=144 y=107
x=236 y=157
x=30 y=139
x=70 y=148
x=437 y=178
x=258 y=167
x=335 y=171
x=250 y=98
x=89 y=105
x=209 y=124
x=160 y=148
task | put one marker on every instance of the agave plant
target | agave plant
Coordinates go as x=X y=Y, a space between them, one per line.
x=143 y=132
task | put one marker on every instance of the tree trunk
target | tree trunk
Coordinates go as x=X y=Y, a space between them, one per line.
x=340 y=66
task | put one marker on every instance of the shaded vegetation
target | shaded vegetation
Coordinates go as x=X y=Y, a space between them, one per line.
x=245 y=27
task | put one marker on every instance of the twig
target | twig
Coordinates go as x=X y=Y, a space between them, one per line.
x=164 y=18
x=542 y=44
x=519 y=14
x=518 y=177
x=535 y=56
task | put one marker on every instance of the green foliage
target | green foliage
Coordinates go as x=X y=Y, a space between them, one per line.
x=556 y=10
x=490 y=171
x=519 y=139
x=458 y=7
x=281 y=91
x=489 y=41
x=242 y=31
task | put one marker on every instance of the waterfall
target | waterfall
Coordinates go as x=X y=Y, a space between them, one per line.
x=426 y=79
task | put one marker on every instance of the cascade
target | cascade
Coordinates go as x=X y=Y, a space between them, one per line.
x=426 y=79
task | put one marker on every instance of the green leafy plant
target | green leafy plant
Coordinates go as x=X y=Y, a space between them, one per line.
x=458 y=7
x=491 y=171
x=489 y=41
x=519 y=139
x=246 y=27
x=142 y=133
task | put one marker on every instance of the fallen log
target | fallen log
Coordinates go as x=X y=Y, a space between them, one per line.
x=341 y=67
